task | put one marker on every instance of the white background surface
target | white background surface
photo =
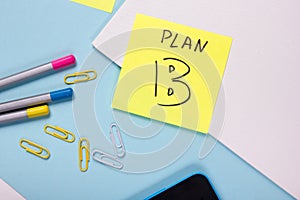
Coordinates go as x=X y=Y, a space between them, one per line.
x=261 y=79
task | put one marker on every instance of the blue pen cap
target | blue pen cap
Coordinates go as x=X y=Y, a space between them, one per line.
x=61 y=94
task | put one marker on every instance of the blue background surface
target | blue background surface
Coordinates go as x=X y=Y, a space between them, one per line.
x=34 y=32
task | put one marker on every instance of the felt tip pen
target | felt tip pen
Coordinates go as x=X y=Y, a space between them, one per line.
x=24 y=114
x=37 y=71
x=37 y=100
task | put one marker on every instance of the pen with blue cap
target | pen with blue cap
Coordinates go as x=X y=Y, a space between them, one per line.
x=37 y=100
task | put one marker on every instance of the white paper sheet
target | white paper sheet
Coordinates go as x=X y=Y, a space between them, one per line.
x=8 y=193
x=261 y=80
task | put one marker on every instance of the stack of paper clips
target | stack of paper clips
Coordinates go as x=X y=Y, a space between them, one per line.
x=101 y=156
x=83 y=147
x=54 y=131
x=118 y=146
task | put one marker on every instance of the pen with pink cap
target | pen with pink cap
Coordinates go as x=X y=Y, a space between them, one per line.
x=37 y=71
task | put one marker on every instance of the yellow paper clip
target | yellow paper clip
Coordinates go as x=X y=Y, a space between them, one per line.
x=41 y=152
x=85 y=147
x=60 y=133
x=118 y=146
x=82 y=76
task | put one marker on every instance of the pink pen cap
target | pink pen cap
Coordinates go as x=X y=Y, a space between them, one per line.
x=63 y=62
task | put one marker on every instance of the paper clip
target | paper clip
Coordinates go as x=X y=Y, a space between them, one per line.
x=107 y=159
x=40 y=150
x=118 y=147
x=60 y=133
x=85 y=147
x=82 y=76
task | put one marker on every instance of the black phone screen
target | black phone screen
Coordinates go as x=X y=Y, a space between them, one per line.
x=196 y=187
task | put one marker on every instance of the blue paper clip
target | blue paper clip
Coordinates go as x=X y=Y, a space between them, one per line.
x=119 y=147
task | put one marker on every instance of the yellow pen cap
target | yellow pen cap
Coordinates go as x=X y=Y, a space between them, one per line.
x=37 y=111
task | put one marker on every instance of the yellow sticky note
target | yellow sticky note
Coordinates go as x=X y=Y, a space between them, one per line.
x=105 y=5
x=172 y=73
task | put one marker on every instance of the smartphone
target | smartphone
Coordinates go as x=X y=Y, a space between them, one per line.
x=194 y=187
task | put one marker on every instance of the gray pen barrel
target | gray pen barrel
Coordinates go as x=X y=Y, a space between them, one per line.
x=25 y=102
x=25 y=75
x=12 y=117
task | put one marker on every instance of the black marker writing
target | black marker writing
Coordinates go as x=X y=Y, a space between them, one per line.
x=156 y=76
x=177 y=39
x=176 y=80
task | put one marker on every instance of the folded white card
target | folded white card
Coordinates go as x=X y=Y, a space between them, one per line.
x=261 y=80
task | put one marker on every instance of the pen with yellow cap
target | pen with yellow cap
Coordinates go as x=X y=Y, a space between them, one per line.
x=28 y=113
